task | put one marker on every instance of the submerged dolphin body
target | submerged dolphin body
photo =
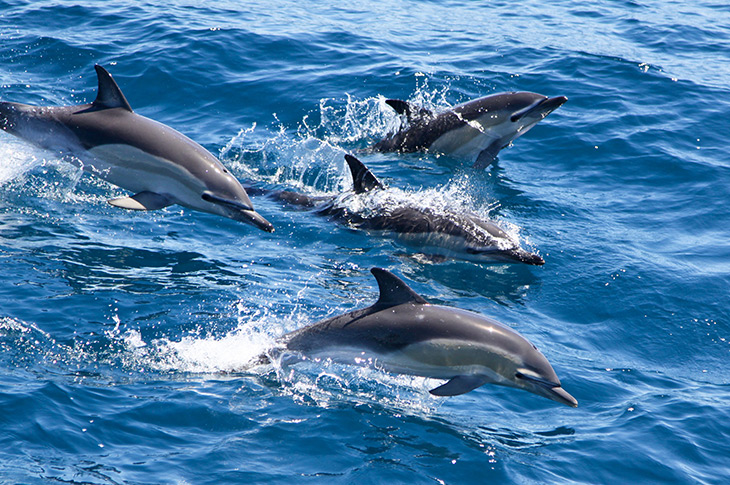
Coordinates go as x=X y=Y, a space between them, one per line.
x=441 y=233
x=404 y=334
x=476 y=130
x=159 y=165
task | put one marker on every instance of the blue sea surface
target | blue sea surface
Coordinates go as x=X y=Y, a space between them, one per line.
x=123 y=335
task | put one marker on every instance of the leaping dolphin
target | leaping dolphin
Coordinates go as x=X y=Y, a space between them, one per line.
x=161 y=166
x=435 y=232
x=402 y=333
x=476 y=130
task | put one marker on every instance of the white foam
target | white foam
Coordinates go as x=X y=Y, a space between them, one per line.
x=18 y=158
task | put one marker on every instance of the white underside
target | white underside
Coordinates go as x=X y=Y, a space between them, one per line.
x=137 y=171
x=450 y=246
x=437 y=359
x=465 y=142
x=127 y=167
x=469 y=140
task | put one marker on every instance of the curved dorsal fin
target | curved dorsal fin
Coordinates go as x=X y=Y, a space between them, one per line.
x=393 y=290
x=363 y=179
x=412 y=112
x=401 y=107
x=109 y=95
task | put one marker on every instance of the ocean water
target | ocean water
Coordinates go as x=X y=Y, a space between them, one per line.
x=123 y=334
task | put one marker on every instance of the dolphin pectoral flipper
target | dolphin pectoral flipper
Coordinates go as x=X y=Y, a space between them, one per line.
x=460 y=385
x=143 y=201
x=488 y=155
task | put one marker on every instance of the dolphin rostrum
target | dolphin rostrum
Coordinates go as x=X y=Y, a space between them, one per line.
x=475 y=130
x=437 y=232
x=402 y=333
x=160 y=165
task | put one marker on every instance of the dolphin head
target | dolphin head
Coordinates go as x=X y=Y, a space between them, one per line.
x=509 y=115
x=226 y=197
x=517 y=362
x=535 y=374
x=510 y=255
x=538 y=109
x=490 y=242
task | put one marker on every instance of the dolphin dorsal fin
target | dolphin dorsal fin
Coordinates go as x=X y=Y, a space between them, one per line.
x=393 y=290
x=109 y=95
x=412 y=112
x=401 y=107
x=362 y=178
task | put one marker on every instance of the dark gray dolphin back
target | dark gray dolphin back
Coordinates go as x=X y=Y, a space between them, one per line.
x=109 y=95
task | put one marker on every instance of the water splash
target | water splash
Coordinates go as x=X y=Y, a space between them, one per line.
x=18 y=159
x=309 y=159
x=317 y=144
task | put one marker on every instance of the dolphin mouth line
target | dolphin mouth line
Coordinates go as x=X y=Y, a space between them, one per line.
x=521 y=256
x=552 y=390
x=208 y=197
x=245 y=212
x=537 y=380
x=544 y=107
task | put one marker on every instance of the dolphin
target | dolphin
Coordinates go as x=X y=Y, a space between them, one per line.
x=440 y=233
x=161 y=166
x=402 y=333
x=475 y=130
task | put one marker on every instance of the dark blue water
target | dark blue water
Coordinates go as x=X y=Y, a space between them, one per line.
x=120 y=332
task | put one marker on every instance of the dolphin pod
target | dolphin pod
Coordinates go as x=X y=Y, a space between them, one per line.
x=476 y=130
x=403 y=333
x=438 y=232
x=159 y=165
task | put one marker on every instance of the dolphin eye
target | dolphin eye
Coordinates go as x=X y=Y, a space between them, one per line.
x=519 y=375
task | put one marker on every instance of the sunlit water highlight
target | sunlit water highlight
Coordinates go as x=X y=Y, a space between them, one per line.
x=125 y=336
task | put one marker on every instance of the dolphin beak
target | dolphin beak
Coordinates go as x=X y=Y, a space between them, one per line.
x=215 y=199
x=528 y=258
x=551 y=104
x=253 y=217
x=548 y=389
x=522 y=256
x=561 y=395
x=518 y=255
x=240 y=211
